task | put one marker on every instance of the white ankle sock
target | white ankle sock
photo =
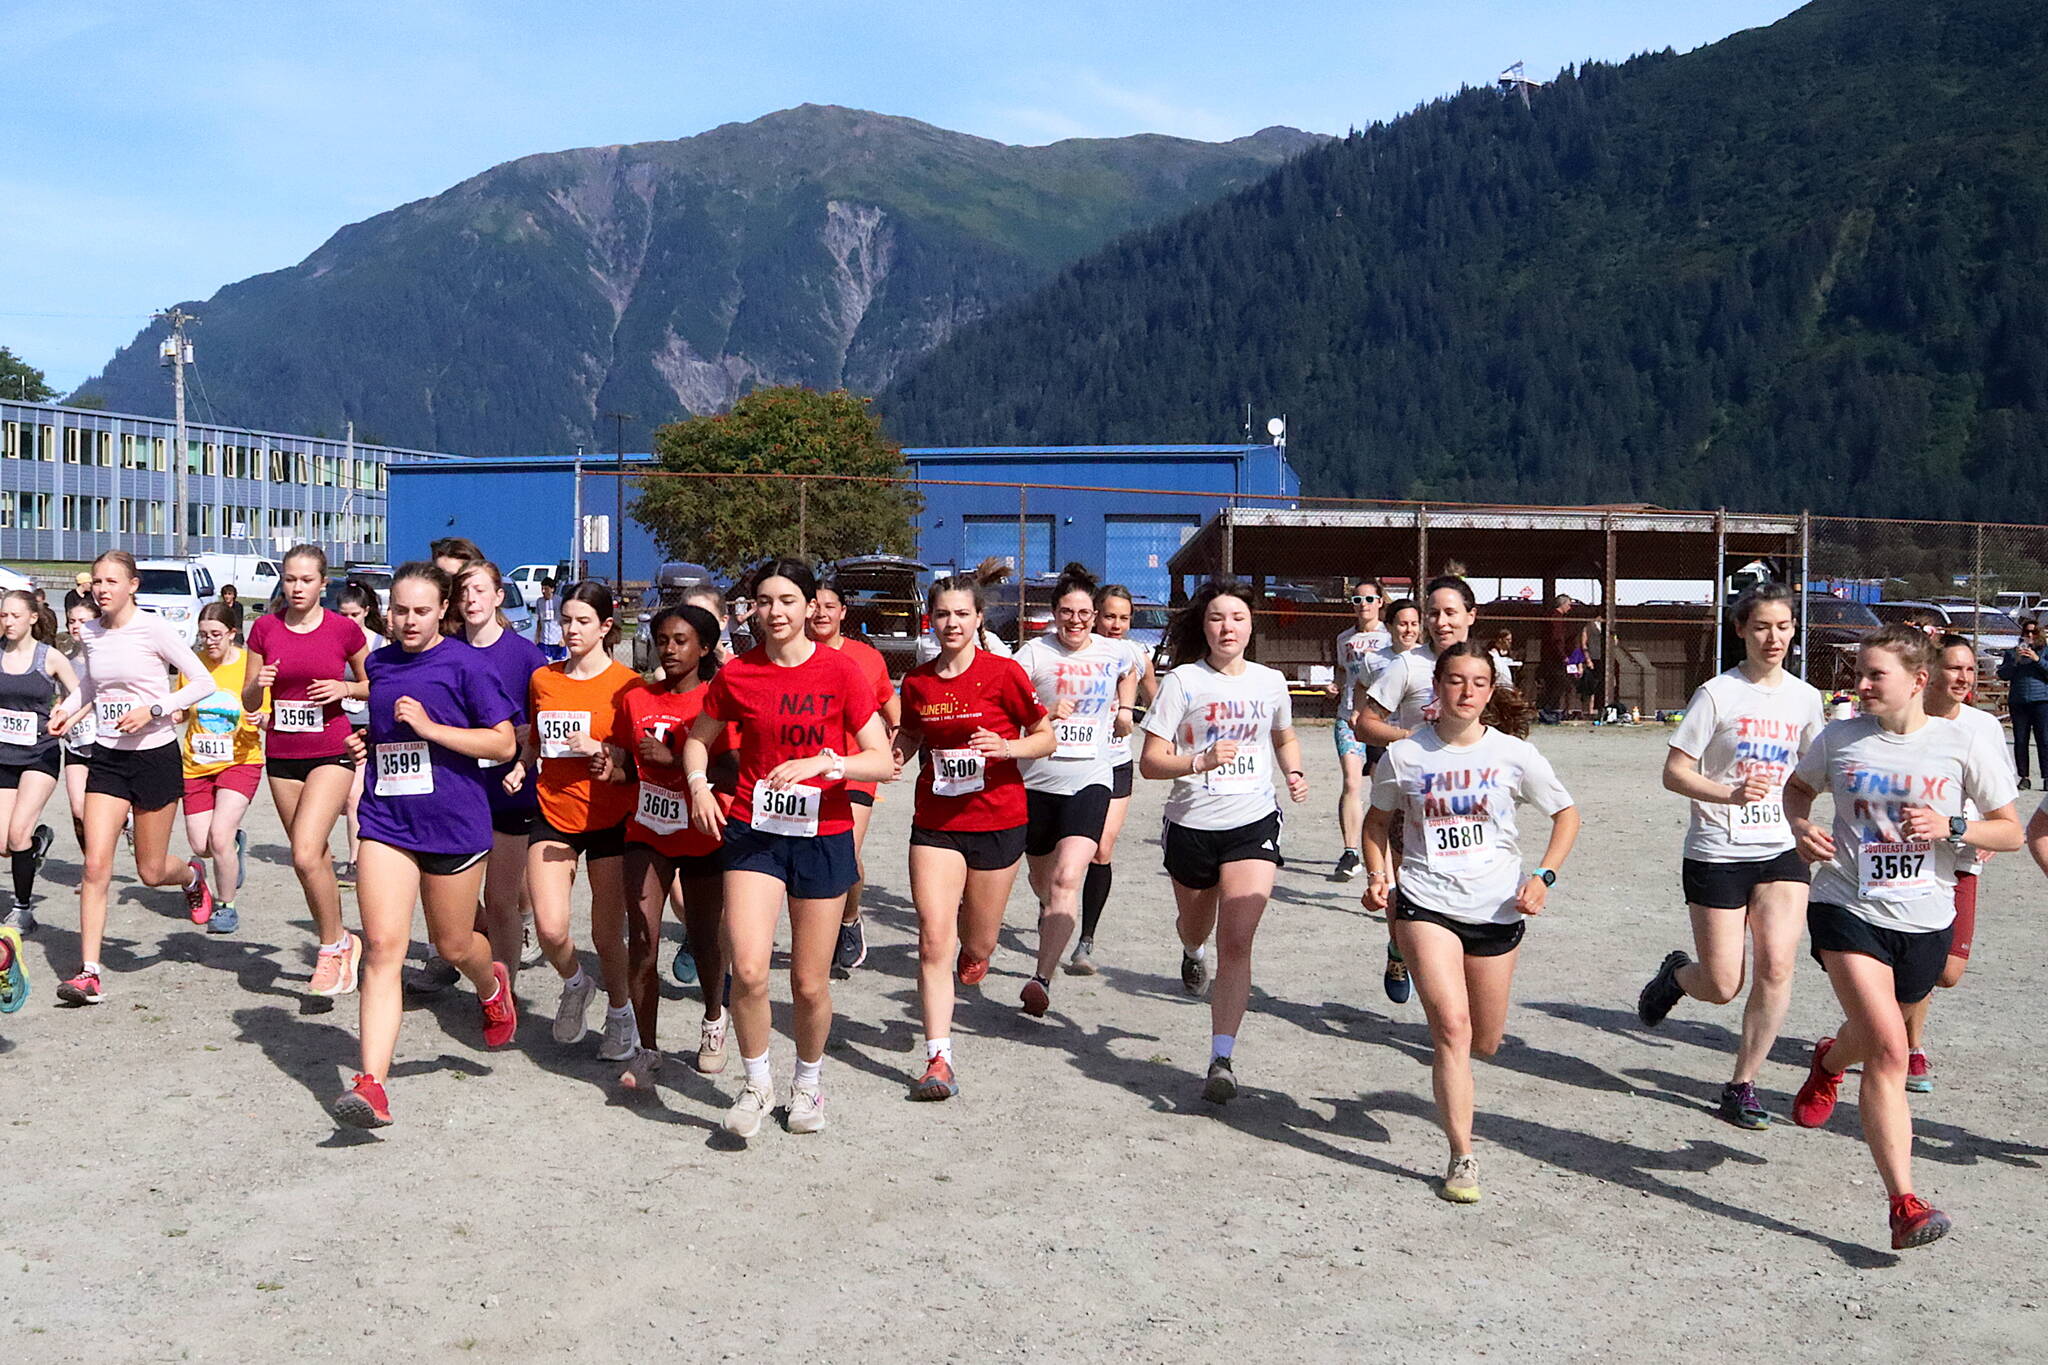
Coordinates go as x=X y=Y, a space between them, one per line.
x=807 y=1073
x=622 y=1012
x=938 y=1047
x=1222 y=1044
x=1196 y=953
x=757 y=1071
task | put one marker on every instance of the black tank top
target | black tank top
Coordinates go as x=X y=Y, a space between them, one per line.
x=25 y=712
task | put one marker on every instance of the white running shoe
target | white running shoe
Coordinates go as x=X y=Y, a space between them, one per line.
x=748 y=1112
x=711 y=1046
x=529 y=946
x=621 y=1036
x=807 y=1110
x=573 y=1011
x=639 y=1073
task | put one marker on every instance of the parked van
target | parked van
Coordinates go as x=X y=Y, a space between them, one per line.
x=254 y=576
x=174 y=589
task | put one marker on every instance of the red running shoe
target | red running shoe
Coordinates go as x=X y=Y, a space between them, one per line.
x=501 y=1012
x=971 y=970
x=198 y=896
x=937 y=1083
x=83 y=989
x=363 y=1106
x=1037 y=998
x=1915 y=1222
x=1815 y=1102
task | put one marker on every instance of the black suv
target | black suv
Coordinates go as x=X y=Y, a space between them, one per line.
x=884 y=596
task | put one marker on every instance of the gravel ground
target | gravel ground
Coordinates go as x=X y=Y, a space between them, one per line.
x=178 y=1192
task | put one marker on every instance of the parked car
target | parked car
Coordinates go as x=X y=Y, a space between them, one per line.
x=1834 y=627
x=1003 y=608
x=174 y=589
x=376 y=577
x=255 y=577
x=670 y=582
x=524 y=580
x=1994 y=631
x=884 y=596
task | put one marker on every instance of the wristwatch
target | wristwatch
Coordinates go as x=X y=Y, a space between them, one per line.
x=156 y=713
x=1957 y=827
x=1549 y=877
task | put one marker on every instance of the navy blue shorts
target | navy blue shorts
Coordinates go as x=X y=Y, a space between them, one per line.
x=816 y=867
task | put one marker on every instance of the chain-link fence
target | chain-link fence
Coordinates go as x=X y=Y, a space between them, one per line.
x=1592 y=607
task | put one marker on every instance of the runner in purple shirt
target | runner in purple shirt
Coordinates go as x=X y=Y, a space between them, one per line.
x=435 y=716
x=512 y=660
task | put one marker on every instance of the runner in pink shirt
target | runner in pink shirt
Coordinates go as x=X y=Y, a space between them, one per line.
x=130 y=656
x=311 y=661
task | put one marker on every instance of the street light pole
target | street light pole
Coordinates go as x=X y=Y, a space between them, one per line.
x=618 y=421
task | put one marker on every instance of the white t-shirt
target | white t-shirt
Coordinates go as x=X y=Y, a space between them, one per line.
x=1734 y=727
x=1120 y=745
x=1195 y=708
x=1460 y=850
x=1873 y=775
x=1358 y=652
x=1406 y=687
x=1088 y=677
x=1504 y=667
x=1970 y=859
x=928 y=646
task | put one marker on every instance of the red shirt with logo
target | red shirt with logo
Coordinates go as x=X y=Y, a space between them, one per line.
x=664 y=716
x=792 y=712
x=992 y=694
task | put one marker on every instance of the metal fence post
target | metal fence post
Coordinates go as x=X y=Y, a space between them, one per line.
x=1805 y=578
x=1610 y=647
x=1230 y=539
x=803 y=517
x=1023 y=553
x=1977 y=593
x=1421 y=560
x=1720 y=626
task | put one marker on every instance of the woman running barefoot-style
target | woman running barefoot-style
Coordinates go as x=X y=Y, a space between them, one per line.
x=1883 y=909
x=1742 y=735
x=513 y=660
x=309 y=660
x=221 y=741
x=1113 y=608
x=1359 y=651
x=1089 y=686
x=968 y=717
x=79 y=739
x=807 y=726
x=1402 y=700
x=584 y=776
x=1222 y=728
x=663 y=849
x=32 y=675
x=827 y=627
x=436 y=714
x=1950 y=697
x=130 y=656
x=1460 y=901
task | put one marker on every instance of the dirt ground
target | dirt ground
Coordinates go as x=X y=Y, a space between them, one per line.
x=176 y=1190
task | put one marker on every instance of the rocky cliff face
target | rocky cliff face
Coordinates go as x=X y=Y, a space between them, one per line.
x=820 y=246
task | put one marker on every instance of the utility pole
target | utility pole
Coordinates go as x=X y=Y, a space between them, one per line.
x=576 y=525
x=177 y=353
x=618 y=421
x=348 y=495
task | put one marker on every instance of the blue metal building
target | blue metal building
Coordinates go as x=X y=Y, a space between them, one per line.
x=1057 y=503
x=76 y=481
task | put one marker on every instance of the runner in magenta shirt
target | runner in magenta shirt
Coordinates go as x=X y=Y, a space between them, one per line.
x=310 y=660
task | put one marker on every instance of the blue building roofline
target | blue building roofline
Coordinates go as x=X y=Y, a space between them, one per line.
x=1001 y=452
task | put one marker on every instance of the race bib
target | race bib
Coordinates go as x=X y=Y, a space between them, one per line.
x=404 y=769
x=1245 y=773
x=17 y=727
x=1759 y=822
x=1896 y=872
x=786 y=810
x=297 y=717
x=1119 y=750
x=1458 y=841
x=661 y=810
x=554 y=729
x=109 y=713
x=84 y=731
x=1076 y=736
x=957 y=772
x=209 y=749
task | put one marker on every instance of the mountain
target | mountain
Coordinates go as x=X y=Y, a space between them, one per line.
x=1806 y=266
x=819 y=245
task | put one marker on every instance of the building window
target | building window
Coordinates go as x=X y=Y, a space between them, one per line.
x=160 y=457
x=10 y=441
x=71 y=435
x=6 y=511
x=106 y=449
x=46 y=449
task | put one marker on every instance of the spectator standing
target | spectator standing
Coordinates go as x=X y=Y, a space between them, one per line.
x=2028 y=677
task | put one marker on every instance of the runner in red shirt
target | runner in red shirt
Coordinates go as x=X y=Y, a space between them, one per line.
x=827 y=627
x=662 y=848
x=808 y=725
x=968 y=716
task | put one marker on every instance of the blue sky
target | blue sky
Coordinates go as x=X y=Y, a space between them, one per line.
x=156 y=151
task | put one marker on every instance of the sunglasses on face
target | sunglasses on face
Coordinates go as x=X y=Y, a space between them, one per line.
x=1360 y=599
